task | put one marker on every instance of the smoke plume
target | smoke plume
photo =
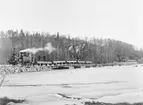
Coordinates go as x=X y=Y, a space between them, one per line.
x=48 y=47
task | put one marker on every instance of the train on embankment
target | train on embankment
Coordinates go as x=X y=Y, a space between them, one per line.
x=42 y=57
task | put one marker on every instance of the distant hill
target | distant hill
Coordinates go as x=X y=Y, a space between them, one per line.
x=68 y=48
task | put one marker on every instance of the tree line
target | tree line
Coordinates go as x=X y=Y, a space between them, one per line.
x=68 y=48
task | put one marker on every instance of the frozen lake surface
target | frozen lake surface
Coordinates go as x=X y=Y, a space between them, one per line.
x=73 y=86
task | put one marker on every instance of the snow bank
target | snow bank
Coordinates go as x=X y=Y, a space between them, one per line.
x=106 y=84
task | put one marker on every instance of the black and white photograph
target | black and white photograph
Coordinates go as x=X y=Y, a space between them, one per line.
x=71 y=52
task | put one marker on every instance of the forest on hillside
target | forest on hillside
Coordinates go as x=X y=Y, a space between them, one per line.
x=68 y=48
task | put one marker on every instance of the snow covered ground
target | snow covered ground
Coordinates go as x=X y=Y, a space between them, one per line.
x=73 y=86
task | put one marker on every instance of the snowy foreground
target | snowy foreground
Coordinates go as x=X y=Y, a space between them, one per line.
x=74 y=86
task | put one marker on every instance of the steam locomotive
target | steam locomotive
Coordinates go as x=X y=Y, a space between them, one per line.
x=27 y=57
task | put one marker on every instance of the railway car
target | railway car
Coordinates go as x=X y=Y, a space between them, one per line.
x=29 y=57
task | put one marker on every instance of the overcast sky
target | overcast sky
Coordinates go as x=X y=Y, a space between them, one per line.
x=116 y=19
